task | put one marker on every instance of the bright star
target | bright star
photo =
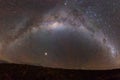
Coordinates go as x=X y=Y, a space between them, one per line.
x=46 y=53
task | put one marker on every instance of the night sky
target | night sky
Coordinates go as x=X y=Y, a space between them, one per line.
x=70 y=34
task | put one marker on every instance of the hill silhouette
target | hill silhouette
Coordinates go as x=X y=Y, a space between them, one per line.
x=28 y=72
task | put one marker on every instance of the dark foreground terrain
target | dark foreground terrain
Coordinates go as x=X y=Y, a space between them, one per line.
x=27 y=72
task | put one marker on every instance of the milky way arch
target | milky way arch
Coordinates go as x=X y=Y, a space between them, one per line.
x=74 y=34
